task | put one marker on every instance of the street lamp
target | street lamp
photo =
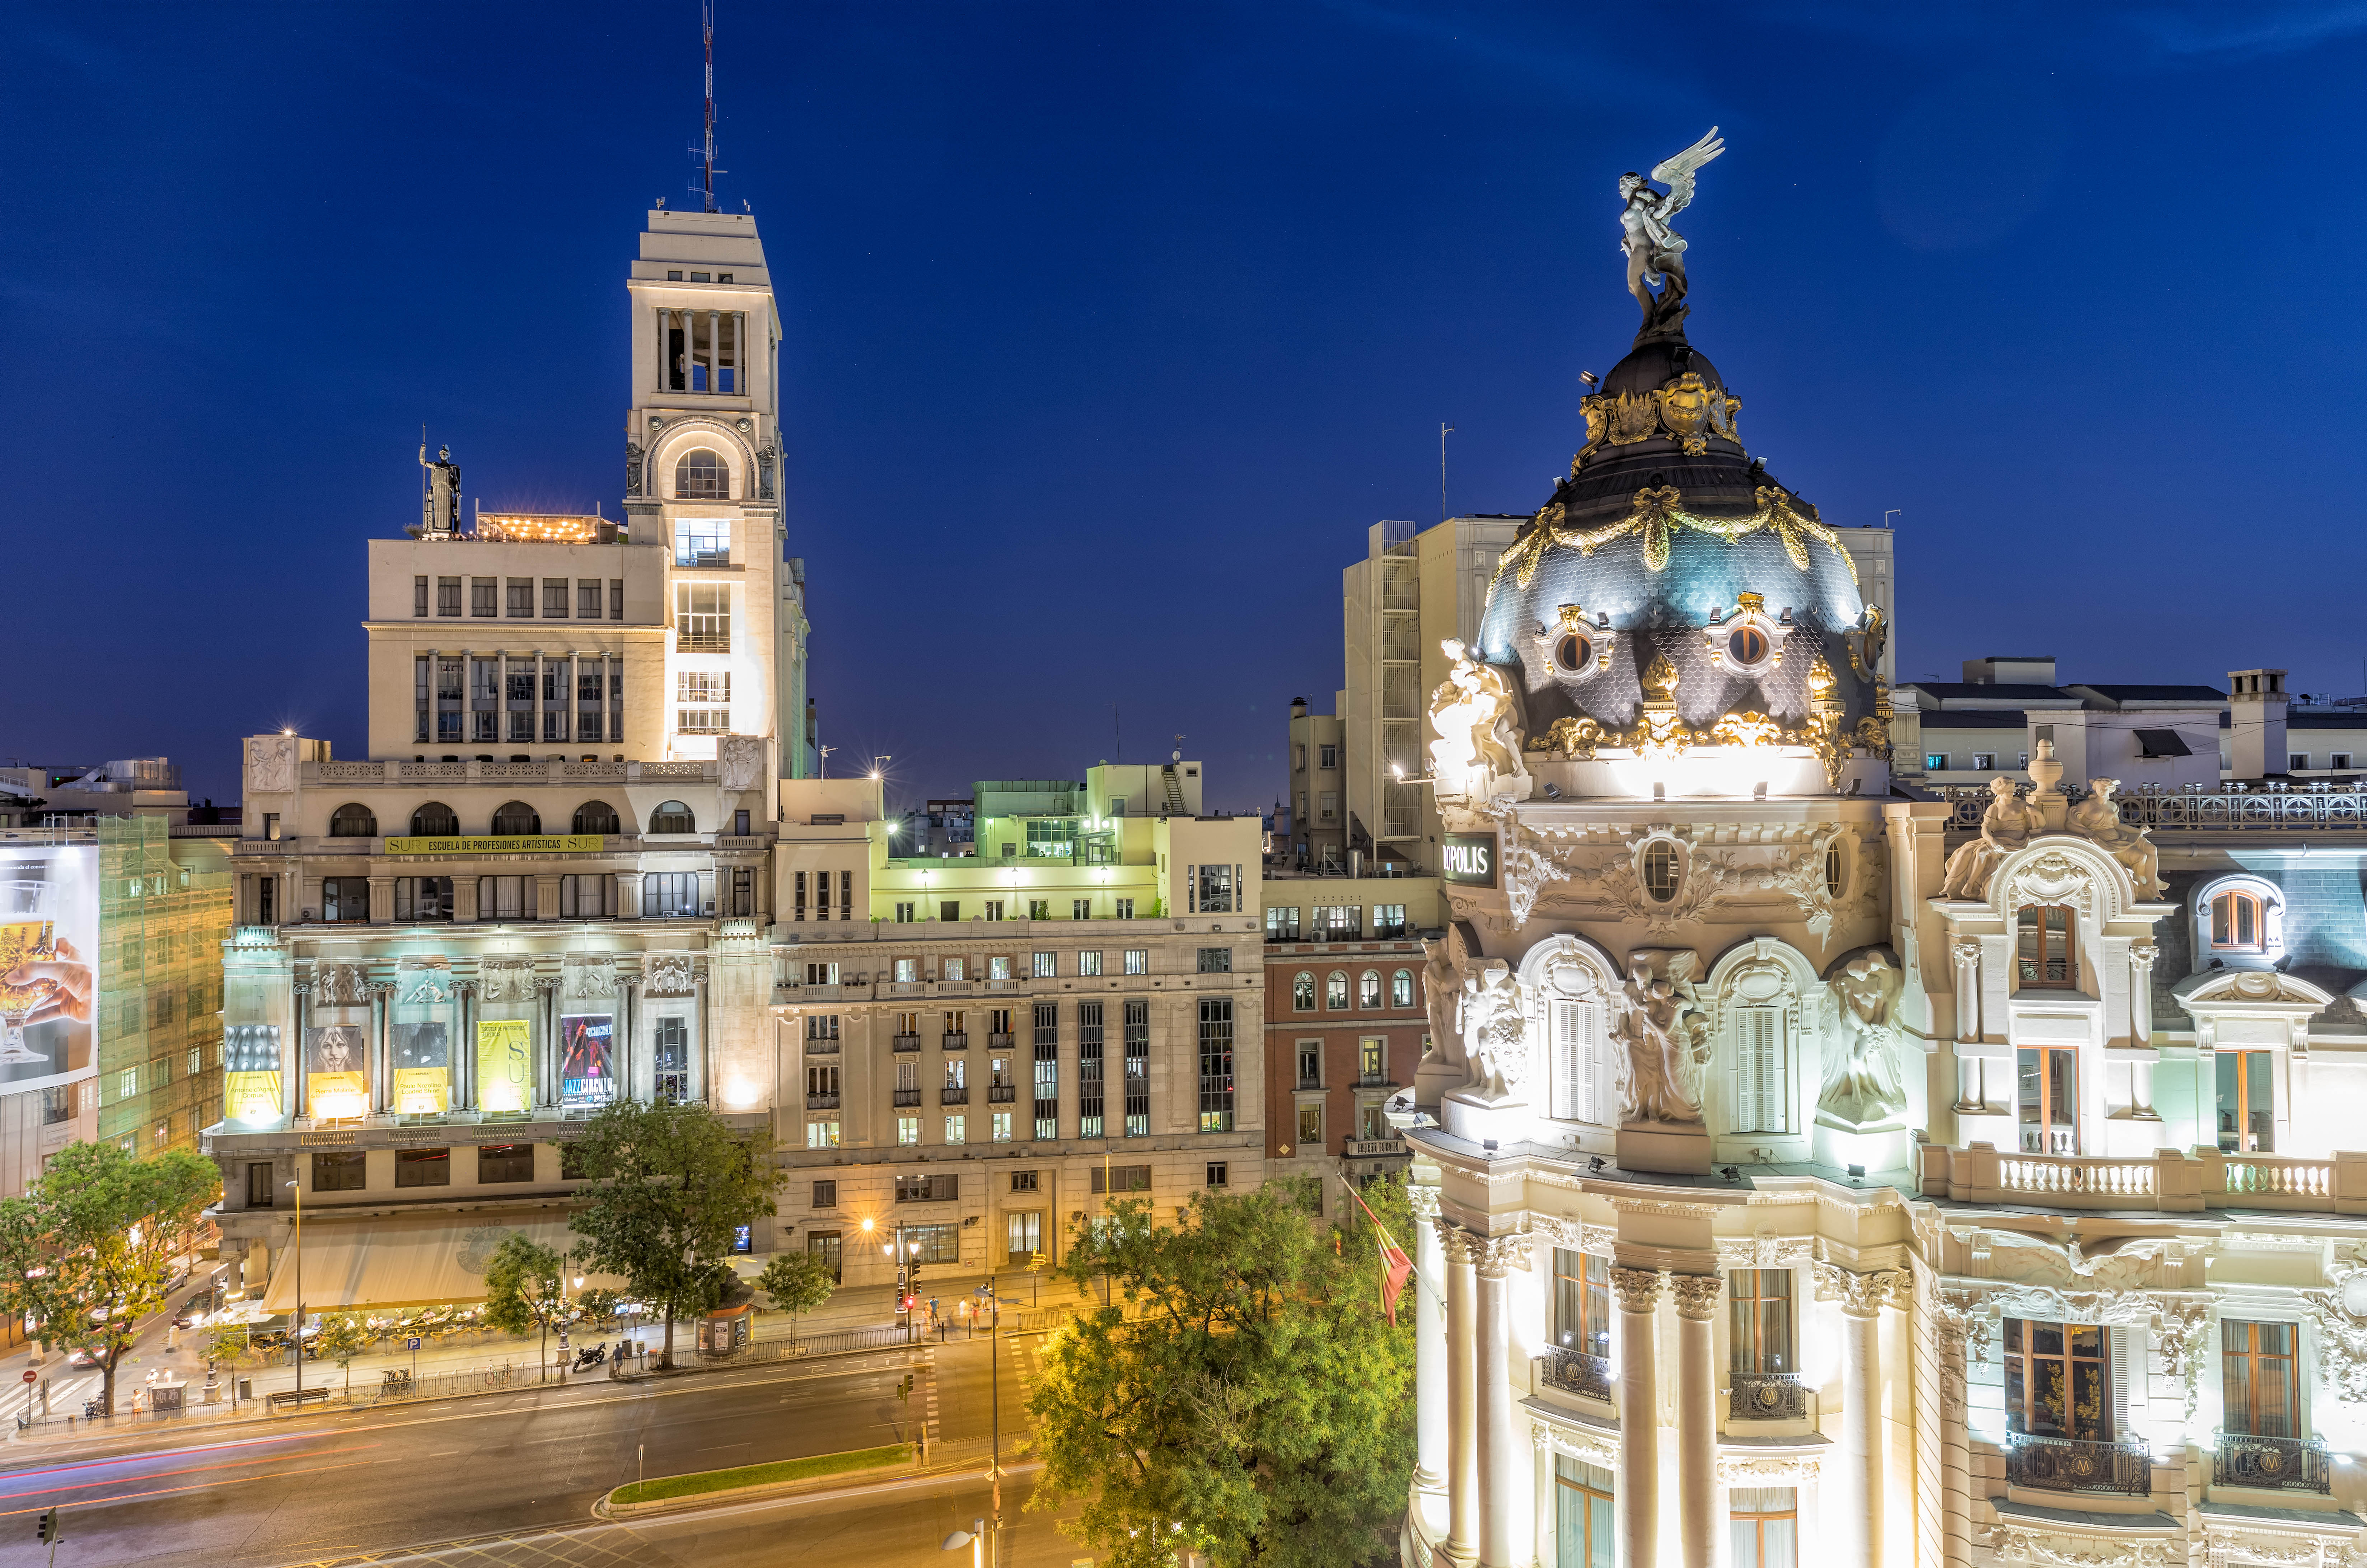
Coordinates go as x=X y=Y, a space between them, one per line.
x=299 y=1290
x=974 y=1537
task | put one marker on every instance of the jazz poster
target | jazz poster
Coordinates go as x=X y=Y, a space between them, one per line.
x=588 y=1059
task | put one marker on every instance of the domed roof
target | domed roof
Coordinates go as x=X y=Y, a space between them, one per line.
x=1669 y=541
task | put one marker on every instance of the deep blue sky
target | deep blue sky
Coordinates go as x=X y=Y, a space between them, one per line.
x=1112 y=327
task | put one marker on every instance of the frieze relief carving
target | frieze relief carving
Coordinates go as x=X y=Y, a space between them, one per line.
x=2341 y=1333
x=1573 y=1234
x=1768 y=1469
x=2276 y=1549
x=506 y=979
x=1865 y=1084
x=739 y=762
x=340 y=985
x=2181 y=1329
x=2011 y=1543
x=589 y=975
x=669 y=974
x=1579 y=1443
x=1765 y=1251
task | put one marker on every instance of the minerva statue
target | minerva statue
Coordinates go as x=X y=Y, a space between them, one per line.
x=1656 y=253
x=2009 y=824
x=2098 y=820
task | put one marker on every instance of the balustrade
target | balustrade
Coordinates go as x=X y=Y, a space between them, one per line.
x=2074 y=1464
x=1574 y=1372
x=2276 y=1465
x=1767 y=1397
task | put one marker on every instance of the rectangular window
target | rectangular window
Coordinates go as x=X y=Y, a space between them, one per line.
x=521 y=598
x=1138 y=1069
x=554 y=598
x=702 y=541
x=616 y=598
x=706 y=699
x=994 y=911
x=935 y=1244
x=484 y=596
x=1089 y=964
x=670 y=1059
x=1137 y=961
x=2049 y=1102
x=419 y=596
x=1053 y=839
x=928 y=1188
x=1310 y=1129
x=1046 y=1017
x=670 y=893
x=1039 y=908
x=1389 y=922
x=1766 y=1522
x=1281 y=922
x=423 y=1167
x=1582 y=1301
x=1310 y=1063
x=1218 y=1173
x=1216 y=1064
x=904 y=914
x=2058 y=1380
x=2246 y=1102
x=1216 y=890
x=1081 y=909
x=1935 y=761
x=1025 y=1234
x=447 y=595
x=1121 y=1179
x=1984 y=761
x=1089 y=1068
x=1328 y=756
x=907 y=1130
x=824 y=1135
x=587 y=599
x=504 y=1162
x=1046 y=965
x=422 y=897
x=1215 y=961
x=2259 y=1379
x=345 y=898
x=1373 y=1059
x=1340 y=923
x=702 y=617
x=346 y=1171
x=1761 y=1096
x=1002 y=1126
x=956 y=1129
x=1585 y=1526
x=825 y=1194
x=824 y=1245
x=2045 y=956
x=1759 y=1320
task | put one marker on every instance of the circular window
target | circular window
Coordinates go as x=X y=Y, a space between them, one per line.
x=1747 y=646
x=1661 y=870
x=1572 y=652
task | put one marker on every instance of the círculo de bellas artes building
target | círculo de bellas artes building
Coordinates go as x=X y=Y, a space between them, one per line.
x=1817 y=1167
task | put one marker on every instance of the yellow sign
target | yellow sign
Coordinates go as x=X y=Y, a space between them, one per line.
x=505 y=1065
x=422 y=1091
x=252 y=1096
x=515 y=844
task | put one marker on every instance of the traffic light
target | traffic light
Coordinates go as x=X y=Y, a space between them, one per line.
x=903 y=1392
x=49 y=1527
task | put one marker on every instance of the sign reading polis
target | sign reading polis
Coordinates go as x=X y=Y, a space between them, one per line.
x=1471 y=858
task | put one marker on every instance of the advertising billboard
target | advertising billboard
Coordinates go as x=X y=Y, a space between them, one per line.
x=336 y=1072
x=588 y=1059
x=505 y=1065
x=49 y=964
x=250 y=1081
x=423 y=1069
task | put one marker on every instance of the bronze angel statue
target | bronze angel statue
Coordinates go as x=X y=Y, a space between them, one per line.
x=1656 y=253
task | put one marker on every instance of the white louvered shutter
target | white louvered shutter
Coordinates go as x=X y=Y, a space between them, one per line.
x=1597 y=1048
x=1760 y=1101
x=1568 y=1061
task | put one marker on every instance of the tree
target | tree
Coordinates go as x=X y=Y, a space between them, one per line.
x=342 y=1336
x=88 y=1250
x=1262 y=1400
x=525 y=1288
x=227 y=1345
x=670 y=1186
x=798 y=1282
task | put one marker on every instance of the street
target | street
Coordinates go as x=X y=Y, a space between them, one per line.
x=498 y=1471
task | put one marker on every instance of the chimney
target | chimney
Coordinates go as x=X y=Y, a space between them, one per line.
x=2256 y=722
x=1299 y=707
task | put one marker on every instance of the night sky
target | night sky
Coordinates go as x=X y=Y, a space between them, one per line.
x=1112 y=328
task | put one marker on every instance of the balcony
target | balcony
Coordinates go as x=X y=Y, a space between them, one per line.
x=1768 y=1396
x=822 y=1047
x=2073 y=1464
x=954 y=1040
x=1309 y=1080
x=908 y=987
x=2167 y=1181
x=1372 y=1148
x=1006 y=986
x=998 y=1042
x=1001 y=1093
x=1573 y=1371
x=952 y=1095
x=2271 y=1464
x=907 y=1042
x=952 y=988
x=908 y=1096
x=702 y=642
x=822 y=1102
x=2231 y=809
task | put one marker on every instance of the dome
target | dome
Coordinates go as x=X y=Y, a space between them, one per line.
x=1669 y=543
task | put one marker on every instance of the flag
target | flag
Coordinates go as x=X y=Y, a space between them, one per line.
x=1396 y=1266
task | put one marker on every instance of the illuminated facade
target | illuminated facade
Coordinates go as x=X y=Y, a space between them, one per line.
x=547 y=886
x=983 y=1048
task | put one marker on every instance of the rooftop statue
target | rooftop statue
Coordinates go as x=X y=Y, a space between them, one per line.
x=2009 y=824
x=1476 y=715
x=1656 y=253
x=2097 y=819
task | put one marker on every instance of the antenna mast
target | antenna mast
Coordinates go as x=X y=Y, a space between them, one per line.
x=707 y=36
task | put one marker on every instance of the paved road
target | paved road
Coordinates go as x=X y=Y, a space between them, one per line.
x=334 y=1489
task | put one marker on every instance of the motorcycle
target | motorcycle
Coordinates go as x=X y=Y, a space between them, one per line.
x=91 y=1409
x=591 y=1356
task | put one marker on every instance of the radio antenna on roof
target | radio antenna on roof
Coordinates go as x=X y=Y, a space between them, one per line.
x=708 y=171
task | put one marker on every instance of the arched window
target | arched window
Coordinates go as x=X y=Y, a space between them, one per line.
x=433 y=820
x=701 y=476
x=1368 y=988
x=2238 y=923
x=1302 y=992
x=1335 y=990
x=2045 y=956
x=672 y=816
x=1401 y=988
x=516 y=820
x=353 y=822
x=597 y=816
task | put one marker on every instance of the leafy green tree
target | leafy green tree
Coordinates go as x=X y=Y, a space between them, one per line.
x=88 y=1250
x=798 y=1282
x=525 y=1290
x=342 y=1336
x=227 y=1345
x=669 y=1185
x=1260 y=1399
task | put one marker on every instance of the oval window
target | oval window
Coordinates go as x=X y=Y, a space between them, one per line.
x=1661 y=870
x=1747 y=646
x=1836 y=870
x=1572 y=652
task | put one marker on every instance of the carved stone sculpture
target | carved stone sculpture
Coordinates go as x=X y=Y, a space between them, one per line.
x=2098 y=820
x=506 y=979
x=340 y=985
x=669 y=974
x=2008 y=825
x=1440 y=991
x=740 y=763
x=1656 y=253
x=588 y=975
x=1476 y=714
x=1861 y=1076
x=1495 y=1035
x=270 y=765
x=1663 y=1039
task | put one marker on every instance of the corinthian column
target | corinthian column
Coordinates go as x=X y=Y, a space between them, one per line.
x=1853 y=1501
x=1700 y=1525
x=1462 y=1396
x=1507 y=1466
x=1639 y=1449
x=1429 y=1343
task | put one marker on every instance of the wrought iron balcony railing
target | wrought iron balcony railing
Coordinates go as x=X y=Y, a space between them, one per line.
x=1574 y=1372
x=907 y=1042
x=2275 y=1464
x=2074 y=1464
x=1767 y=1397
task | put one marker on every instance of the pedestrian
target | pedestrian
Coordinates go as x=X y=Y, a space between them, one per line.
x=961 y=1310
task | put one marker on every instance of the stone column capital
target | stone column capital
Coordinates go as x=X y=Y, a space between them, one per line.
x=1423 y=1201
x=1696 y=1295
x=1460 y=1246
x=1498 y=1255
x=1964 y=948
x=1863 y=1295
x=1638 y=1290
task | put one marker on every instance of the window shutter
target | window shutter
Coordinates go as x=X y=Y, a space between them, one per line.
x=1760 y=1102
x=1598 y=1077
x=2126 y=1355
x=1569 y=1056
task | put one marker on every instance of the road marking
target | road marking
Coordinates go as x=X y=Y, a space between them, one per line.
x=170 y=1491
x=444 y=1453
x=719 y=1447
x=185 y=1469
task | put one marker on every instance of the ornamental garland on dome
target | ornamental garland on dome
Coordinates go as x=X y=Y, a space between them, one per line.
x=1657 y=517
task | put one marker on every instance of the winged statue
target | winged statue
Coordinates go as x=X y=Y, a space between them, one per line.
x=1656 y=253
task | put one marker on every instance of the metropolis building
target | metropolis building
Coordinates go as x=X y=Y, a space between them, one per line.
x=1813 y=1167
x=548 y=884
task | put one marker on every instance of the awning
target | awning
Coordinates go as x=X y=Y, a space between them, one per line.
x=408 y=1260
x=2160 y=743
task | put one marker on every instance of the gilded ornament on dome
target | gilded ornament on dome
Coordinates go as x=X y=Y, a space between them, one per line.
x=1751 y=603
x=1751 y=730
x=1636 y=416
x=1722 y=413
x=1873 y=738
x=1569 y=737
x=1820 y=680
x=1597 y=423
x=1685 y=405
x=1660 y=678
